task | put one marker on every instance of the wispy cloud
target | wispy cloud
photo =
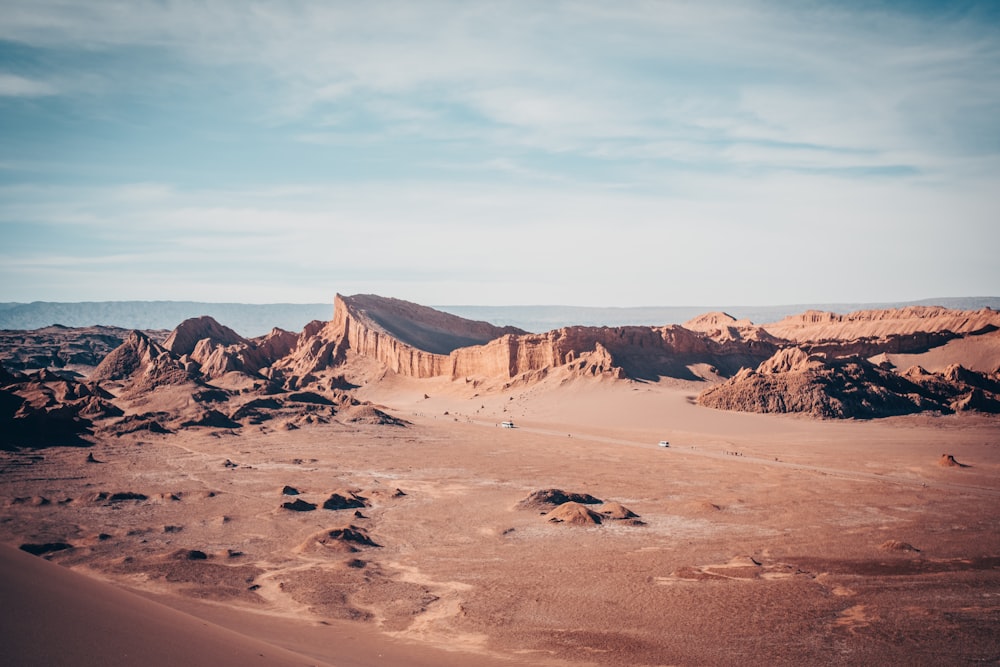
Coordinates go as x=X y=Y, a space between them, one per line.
x=567 y=76
x=487 y=243
x=552 y=148
x=12 y=85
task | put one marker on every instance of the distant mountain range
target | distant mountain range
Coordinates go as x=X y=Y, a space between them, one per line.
x=539 y=319
x=246 y=318
x=258 y=319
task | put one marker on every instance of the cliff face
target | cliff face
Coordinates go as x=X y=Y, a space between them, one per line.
x=814 y=325
x=357 y=328
x=359 y=325
x=510 y=356
x=420 y=327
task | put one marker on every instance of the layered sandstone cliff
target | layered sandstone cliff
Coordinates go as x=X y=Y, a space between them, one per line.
x=376 y=328
x=814 y=325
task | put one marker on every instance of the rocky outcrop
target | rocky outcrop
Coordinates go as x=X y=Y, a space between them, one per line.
x=212 y=350
x=545 y=499
x=189 y=333
x=723 y=327
x=964 y=390
x=45 y=409
x=276 y=344
x=249 y=357
x=795 y=381
x=898 y=343
x=136 y=353
x=318 y=347
x=574 y=514
x=141 y=365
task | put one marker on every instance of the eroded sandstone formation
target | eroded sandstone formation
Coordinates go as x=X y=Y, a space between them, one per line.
x=205 y=375
x=793 y=380
x=816 y=326
x=633 y=351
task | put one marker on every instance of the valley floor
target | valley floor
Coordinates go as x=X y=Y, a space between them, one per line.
x=760 y=539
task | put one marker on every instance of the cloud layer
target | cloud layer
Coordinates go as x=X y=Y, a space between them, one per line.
x=583 y=153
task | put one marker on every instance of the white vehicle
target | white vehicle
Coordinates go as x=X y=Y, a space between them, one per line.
x=507 y=424
x=664 y=443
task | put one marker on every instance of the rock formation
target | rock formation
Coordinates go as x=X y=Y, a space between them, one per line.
x=723 y=327
x=815 y=325
x=574 y=514
x=545 y=499
x=189 y=333
x=137 y=354
x=849 y=387
x=207 y=375
x=214 y=349
x=45 y=409
x=361 y=327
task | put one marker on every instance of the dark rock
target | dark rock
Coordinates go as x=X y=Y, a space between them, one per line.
x=126 y=495
x=339 y=501
x=299 y=505
x=47 y=547
x=553 y=497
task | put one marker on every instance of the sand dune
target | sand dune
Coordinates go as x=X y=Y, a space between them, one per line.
x=979 y=353
x=53 y=616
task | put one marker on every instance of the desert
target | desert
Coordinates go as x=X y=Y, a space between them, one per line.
x=346 y=495
x=543 y=334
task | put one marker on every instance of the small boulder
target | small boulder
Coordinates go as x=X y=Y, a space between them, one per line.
x=47 y=547
x=948 y=461
x=344 y=500
x=299 y=505
x=546 y=498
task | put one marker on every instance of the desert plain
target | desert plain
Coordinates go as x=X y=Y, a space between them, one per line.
x=425 y=533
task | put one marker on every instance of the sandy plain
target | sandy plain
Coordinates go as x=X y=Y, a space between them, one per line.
x=760 y=539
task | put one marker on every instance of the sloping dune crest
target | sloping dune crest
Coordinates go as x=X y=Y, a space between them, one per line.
x=54 y=616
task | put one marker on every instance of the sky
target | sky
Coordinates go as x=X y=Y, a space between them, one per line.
x=590 y=153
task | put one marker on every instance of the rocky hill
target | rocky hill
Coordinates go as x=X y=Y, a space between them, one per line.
x=816 y=326
x=850 y=387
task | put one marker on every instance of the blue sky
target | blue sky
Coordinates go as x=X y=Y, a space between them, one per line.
x=499 y=153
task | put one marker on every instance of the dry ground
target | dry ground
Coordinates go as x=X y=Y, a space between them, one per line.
x=765 y=539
